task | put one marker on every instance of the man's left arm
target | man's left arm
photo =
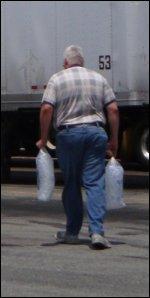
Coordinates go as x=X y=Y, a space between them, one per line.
x=46 y=114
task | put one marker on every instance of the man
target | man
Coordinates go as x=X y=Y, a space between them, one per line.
x=76 y=97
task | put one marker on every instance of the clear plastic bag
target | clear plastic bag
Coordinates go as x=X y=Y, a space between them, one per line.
x=114 y=185
x=45 y=175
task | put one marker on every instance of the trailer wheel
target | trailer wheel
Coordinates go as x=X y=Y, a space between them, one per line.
x=142 y=145
x=5 y=157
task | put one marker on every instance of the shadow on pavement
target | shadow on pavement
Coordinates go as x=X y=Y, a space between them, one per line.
x=31 y=207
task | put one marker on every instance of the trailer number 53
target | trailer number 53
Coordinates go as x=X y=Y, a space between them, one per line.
x=105 y=62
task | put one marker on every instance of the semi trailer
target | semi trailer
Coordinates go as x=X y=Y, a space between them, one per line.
x=114 y=37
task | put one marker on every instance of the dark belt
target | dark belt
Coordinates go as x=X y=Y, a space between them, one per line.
x=98 y=124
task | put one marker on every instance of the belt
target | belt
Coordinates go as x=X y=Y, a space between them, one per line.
x=98 y=124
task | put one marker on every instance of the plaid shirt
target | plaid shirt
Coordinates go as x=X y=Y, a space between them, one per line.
x=78 y=95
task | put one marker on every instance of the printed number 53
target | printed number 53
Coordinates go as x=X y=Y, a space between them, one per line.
x=105 y=62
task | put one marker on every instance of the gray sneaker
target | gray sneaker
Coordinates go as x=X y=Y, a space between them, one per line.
x=63 y=237
x=99 y=241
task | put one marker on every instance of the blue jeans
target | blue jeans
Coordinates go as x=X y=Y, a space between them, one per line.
x=81 y=155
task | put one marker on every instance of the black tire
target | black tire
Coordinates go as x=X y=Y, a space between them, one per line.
x=141 y=146
x=5 y=156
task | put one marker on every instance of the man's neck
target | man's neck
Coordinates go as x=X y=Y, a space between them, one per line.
x=73 y=65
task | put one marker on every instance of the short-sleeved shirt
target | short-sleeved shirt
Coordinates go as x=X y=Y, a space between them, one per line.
x=78 y=95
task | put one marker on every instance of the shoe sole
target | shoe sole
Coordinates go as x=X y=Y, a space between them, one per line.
x=99 y=245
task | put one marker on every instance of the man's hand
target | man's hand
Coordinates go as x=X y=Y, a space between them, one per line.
x=40 y=144
x=112 y=148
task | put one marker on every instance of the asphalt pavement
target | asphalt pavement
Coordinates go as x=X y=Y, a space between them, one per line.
x=34 y=265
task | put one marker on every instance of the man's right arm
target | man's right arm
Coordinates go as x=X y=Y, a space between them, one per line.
x=113 y=121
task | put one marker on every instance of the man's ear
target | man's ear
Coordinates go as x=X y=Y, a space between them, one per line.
x=65 y=64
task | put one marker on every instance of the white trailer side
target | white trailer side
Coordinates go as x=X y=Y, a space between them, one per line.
x=114 y=38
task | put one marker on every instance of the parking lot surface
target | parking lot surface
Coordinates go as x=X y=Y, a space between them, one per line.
x=34 y=265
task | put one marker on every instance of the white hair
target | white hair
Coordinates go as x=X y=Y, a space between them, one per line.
x=74 y=55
